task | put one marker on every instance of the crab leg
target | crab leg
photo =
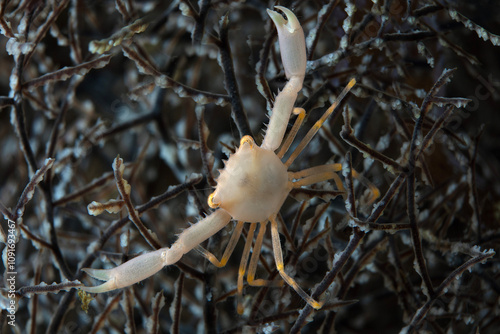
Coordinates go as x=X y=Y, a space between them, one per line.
x=319 y=123
x=252 y=268
x=243 y=266
x=293 y=56
x=317 y=174
x=301 y=115
x=229 y=248
x=278 y=257
x=146 y=265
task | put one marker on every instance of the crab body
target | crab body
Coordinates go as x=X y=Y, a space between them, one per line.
x=252 y=185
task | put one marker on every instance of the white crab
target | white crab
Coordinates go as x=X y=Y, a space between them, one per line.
x=252 y=186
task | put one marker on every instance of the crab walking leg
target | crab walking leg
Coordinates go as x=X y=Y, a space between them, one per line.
x=229 y=248
x=252 y=267
x=326 y=172
x=293 y=56
x=373 y=189
x=301 y=114
x=243 y=266
x=144 y=266
x=319 y=123
x=318 y=174
x=278 y=257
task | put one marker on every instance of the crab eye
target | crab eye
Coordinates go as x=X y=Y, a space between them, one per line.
x=247 y=140
x=211 y=202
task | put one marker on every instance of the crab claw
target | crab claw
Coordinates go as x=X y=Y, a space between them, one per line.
x=292 y=42
x=293 y=56
x=146 y=265
x=130 y=272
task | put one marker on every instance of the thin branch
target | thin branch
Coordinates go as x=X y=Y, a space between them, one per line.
x=226 y=61
x=101 y=319
x=154 y=319
x=199 y=28
x=164 y=81
x=421 y=266
x=347 y=135
x=176 y=307
x=6 y=102
x=342 y=257
x=67 y=72
x=124 y=189
x=420 y=314
x=126 y=33
x=29 y=190
x=471 y=180
x=43 y=289
x=322 y=19
x=207 y=158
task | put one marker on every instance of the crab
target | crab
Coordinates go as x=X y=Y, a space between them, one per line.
x=251 y=188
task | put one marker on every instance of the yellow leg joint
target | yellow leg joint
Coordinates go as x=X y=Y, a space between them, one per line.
x=240 y=309
x=316 y=305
